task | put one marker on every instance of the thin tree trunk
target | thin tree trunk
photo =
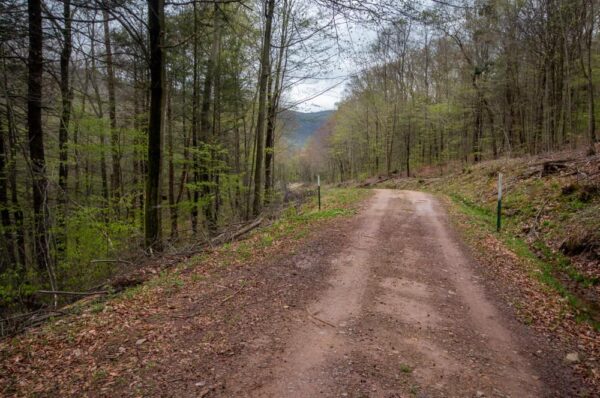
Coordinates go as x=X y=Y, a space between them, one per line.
x=205 y=126
x=63 y=131
x=19 y=227
x=10 y=260
x=274 y=91
x=195 y=105
x=262 y=100
x=587 y=71
x=171 y=194
x=112 y=114
x=100 y=115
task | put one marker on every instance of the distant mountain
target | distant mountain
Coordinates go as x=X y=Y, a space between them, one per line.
x=301 y=126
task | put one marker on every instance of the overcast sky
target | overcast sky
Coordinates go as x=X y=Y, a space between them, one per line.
x=326 y=89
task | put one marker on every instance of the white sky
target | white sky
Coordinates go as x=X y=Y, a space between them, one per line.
x=328 y=87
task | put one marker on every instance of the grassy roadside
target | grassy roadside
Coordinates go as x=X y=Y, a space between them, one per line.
x=481 y=223
x=530 y=286
x=550 y=221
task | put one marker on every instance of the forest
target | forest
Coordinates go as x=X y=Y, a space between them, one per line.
x=129 y=128
x=463 y=82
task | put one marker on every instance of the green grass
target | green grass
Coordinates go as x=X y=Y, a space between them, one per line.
x=404 y=368
x=538 y=214
x=294 y=224
x=544 y=269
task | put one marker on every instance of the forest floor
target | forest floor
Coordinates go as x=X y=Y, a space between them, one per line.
x=369 y=297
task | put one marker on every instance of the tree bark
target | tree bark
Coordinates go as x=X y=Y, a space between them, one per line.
x=262 y=99
x=274 y=95
x=100 y=115
x=112 y=114
x=195 y=105
x=10 y=260
x=36 y=138
x=63 y=131
x=12 y=173
x=206 y=130
x=171 y=171
x=588 y=73
x=152 y=209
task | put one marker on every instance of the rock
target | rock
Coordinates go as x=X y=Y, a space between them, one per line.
x=572 y=357
x=479 y=394
x=200 y=384
x=140 y=341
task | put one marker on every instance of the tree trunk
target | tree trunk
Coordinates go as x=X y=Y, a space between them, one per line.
x=36 y=140
x=10 y=260
x=172 y=204
x=11 y=169
x=112 y=114
x=587 y=70
x=152 y=209
x=274 y=95
x=205 y=126
x=195 y=104
x=63 y=131
x=100 y=115
x=262 y=99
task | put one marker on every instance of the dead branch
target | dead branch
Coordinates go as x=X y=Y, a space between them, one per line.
x=320 y=320
x=63 y=293
x=536 y=221
x=225 y=237
x=232 y=295
x=111 y=261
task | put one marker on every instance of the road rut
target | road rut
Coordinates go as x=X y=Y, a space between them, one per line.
x=404 y=314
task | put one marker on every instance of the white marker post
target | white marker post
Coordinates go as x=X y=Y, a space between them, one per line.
x=319 y=190
x=499 y=210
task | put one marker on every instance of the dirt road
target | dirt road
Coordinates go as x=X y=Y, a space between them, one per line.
x=405 y=314
x=384 y=304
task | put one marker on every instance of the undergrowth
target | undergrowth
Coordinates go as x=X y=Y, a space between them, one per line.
x=294 y=224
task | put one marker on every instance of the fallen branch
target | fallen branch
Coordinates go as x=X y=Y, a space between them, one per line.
x=62 y=293
x=536 y=220
x=320 y=320
x=111 y=261
x=242 y=231
x=232 y=295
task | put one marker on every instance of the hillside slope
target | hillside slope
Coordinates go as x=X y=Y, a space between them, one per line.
x=303 y=125
x=551 y=204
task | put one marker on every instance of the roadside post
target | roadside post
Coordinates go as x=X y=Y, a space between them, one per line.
x=499 y=210
x=319 y=190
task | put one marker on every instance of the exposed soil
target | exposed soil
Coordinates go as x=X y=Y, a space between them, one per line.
x=405 y=313
x=386 y=304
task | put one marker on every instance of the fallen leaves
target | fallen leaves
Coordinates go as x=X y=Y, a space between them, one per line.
x=136 y=343
x=534 y=303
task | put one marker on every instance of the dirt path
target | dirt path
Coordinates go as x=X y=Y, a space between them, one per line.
x=384 y=304
x=404 y=314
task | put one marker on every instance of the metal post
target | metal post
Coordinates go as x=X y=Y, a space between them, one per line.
x=319 y=190
x=499 y=210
